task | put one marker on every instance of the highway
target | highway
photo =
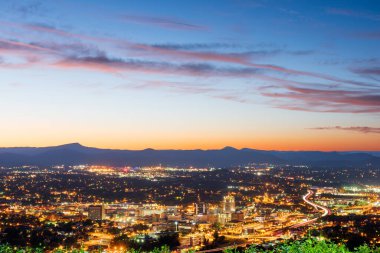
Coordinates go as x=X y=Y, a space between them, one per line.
x=276 y=234
x=305 y=198
x=325 y=210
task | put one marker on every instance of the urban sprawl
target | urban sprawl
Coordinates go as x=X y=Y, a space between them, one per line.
x=113 y=209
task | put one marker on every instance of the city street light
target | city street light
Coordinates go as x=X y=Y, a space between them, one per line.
x=176 y=226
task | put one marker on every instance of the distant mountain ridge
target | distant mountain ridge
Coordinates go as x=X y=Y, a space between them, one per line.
x=75 y=153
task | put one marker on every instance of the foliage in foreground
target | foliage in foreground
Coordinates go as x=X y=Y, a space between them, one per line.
x=302 y=246
x=307 y=246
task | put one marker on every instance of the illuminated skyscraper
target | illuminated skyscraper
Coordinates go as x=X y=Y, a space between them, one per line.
x=200 y=208
x=228 y=204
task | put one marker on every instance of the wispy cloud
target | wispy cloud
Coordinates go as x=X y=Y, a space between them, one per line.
x=164 y=22
x=26 y=54
x=17 y=45
x=375 y=71
x=195 y=46
x=233 y=58
x=324 y=100
x=30 y=8
x=119 y=65
x=72 y=49
x=188 y=88
x=79 y=51
x=360 y=129
x=242 y=58
x=55 y=31
x=216 y=46
x=356 y=61
x=353 y=13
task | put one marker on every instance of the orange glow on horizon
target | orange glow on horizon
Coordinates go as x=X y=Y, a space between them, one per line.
x=370 y=142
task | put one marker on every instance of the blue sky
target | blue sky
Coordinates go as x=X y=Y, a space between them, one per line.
x=284 y=75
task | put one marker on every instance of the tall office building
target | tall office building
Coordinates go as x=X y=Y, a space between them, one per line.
x=228 y=204
x=200 y=208
x=96 y=212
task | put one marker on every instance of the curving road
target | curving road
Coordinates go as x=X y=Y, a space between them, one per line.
x=325 y=210
x=305 y=198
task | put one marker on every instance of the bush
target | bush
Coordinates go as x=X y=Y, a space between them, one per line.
x=302 y=246
x=308 y=246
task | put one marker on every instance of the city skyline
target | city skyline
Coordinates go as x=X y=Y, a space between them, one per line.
x=269 y=75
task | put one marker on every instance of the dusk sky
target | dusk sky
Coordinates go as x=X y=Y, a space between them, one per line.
x=284 y=75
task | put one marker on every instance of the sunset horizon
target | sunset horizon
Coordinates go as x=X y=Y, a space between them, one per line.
x=140 y=77
x=193 y=147
x=174 y=126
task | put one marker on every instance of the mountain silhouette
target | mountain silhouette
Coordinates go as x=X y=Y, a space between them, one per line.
x=75 y=153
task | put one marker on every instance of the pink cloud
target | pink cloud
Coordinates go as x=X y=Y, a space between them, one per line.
x=360 y=129
x=11 y=45
x=322 y=100
x=241 y=59
x=286 y=94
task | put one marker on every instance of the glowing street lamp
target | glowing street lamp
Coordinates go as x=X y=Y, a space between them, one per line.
x=176 y=226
